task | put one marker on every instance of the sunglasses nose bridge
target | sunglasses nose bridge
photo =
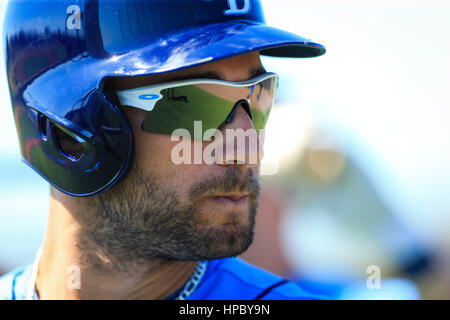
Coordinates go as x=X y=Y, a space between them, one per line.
x=245 y=104
x=242 y=145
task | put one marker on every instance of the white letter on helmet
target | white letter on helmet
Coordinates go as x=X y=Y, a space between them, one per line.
x=74 y=20
x=234 y=7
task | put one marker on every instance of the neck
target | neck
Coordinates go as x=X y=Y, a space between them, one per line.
x=68 y=270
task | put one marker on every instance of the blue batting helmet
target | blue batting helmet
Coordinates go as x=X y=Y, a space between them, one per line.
x=59 y=54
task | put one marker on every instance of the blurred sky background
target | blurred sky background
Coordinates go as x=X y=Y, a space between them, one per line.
x=362 y=139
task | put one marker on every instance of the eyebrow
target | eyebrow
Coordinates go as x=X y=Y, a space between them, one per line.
x=255 y=72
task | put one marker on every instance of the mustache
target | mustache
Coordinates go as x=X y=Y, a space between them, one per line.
x=233 y=180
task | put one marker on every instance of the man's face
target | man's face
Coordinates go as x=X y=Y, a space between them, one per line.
x=187 y=211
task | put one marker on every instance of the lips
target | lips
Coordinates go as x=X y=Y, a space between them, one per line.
x=230 y=199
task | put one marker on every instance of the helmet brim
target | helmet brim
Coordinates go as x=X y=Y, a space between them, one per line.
x=207 y=43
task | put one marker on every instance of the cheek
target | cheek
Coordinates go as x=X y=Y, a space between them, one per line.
x=152 y=151
x=154 y=155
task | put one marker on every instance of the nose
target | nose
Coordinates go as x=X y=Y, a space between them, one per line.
x=242 y=144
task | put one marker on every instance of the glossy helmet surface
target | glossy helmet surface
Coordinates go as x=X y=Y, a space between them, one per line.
x=59 y=54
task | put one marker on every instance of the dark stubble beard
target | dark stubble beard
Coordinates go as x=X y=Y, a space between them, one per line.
x=143 y=220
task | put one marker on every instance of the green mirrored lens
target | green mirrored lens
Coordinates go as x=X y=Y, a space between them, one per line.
x=261 y=101
x=180 y=107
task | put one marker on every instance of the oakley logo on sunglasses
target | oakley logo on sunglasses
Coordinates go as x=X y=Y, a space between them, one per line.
x=145 y=101
x=149 y=97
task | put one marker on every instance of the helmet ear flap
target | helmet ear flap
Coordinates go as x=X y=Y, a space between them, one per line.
x=110 y=96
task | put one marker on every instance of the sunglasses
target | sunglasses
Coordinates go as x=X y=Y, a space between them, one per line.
x=177 y=105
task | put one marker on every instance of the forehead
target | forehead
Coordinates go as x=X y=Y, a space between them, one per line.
x=239 y=68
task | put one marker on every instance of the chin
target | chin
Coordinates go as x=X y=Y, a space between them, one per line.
x=226 y=240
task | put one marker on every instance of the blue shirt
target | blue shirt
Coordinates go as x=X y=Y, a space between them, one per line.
x=225 y=279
